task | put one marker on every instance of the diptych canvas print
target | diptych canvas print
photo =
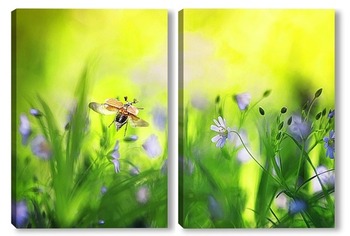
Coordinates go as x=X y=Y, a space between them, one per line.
x=256 y=118
x=89 y=115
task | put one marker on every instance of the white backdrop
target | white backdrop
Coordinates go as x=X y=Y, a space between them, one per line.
x=173 y=6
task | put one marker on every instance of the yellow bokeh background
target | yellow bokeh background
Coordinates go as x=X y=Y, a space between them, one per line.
x=290 y=52
x=125 y=50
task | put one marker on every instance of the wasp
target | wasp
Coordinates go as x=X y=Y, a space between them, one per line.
x=125 y=112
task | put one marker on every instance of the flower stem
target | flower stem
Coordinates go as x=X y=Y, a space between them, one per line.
x=308 y=112
x=251 y=155
x=306 y=155
x=299 y=163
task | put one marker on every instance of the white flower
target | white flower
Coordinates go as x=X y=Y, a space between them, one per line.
x=282 y=201
x=142 y=195
x=243 y=100
x=222 y=130
x=152 y=146
x=326 y=177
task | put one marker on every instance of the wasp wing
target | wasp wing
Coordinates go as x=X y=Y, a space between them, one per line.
x=112 y=102
x=132 y=110
x=137 y=121
x=103 y=109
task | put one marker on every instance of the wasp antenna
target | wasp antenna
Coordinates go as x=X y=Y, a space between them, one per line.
x=126 y=98
x=135 y=100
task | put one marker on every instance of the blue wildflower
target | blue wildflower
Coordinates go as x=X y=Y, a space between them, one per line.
x=297 y=206
x=222 y=130
x=41 y=148
x=329 y=144
x=243 y=100
x=20 y=214
x=331 y=114
x=116 y=165
x=35 y=112
x=152 y=146
x=24 y=128
x=115 y=155
x=101 y=222
x=299 y=128
x=159 y=117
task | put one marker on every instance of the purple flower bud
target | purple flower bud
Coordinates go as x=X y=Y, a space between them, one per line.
x=20 y=214
x=243 y=100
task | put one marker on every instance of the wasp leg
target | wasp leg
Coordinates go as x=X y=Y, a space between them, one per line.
x=111 y=124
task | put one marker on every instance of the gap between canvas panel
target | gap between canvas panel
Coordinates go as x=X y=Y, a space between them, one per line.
x=256 y=118
x=89 y=128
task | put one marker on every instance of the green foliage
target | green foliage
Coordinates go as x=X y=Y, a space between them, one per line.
x=281 y=185
x=69 y=193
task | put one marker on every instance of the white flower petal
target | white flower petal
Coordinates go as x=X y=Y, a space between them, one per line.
x=222 y=122
x=216 y=122
x=216 y=138
x=221 y=142
x=215 y=128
